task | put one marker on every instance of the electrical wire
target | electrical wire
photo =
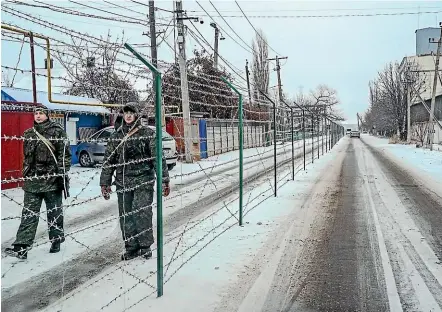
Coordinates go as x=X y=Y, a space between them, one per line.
x=58 y=9
x=328 y=9
x=232 y=67
x=112 y=13
x=78 y=7
x=124 y=7
x=250 y=49
x=333 y=16
x=256 y=31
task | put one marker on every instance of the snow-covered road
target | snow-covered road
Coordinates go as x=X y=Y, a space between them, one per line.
x=90 y=251
x=368 y=239
x=359 y=230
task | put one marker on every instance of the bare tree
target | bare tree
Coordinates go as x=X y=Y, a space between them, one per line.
x=6 y=79
x=93 y=73
x=322 y=100
x=388 y=98
x=420 y=132
x=260 y=69
x=326 y=101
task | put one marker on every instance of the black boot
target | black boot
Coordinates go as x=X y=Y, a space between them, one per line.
x=55 y=246
x=19 y=251
x=146 y=253
x=129 y=254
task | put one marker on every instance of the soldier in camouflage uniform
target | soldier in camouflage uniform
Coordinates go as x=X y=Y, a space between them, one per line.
x=40 y=161
x=132 y=149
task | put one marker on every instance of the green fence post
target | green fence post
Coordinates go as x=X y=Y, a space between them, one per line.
x=159 y=173
x=241 y=147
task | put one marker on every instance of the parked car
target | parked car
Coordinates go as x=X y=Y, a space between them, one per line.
x=355 y=133
x=348 y=132
x=91 y=153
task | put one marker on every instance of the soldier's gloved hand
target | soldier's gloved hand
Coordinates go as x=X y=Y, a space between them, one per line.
x=166 y=189
x=105 y=191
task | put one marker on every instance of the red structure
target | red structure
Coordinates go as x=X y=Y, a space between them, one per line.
x=14 y=123
x=175 y=127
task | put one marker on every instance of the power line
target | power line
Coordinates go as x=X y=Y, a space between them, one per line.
x=81 y=7
x=58 y=9
x=251 y=49
x=124 y=7
x=64 y=30
x=113 y=13
x=84 y=22
x=232 y=67
x=332 y=16
x=328 y=10
x=257 y=33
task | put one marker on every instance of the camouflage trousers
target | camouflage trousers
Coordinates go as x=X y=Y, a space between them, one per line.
x=31 y=214
x=135 y=210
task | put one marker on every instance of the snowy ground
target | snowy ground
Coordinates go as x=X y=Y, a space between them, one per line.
x=201 y=270
x=360 y=229
x=368 y=238
x=423 y=163
x=95 y=220
x=85 y=189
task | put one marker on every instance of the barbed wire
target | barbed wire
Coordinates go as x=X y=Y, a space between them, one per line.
x=58 y=9
x=198 y=251
x=204 y=179
x=66 y=31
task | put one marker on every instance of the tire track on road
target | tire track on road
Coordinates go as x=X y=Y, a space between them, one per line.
x=45 y=288
x=402 y=252
x=345 y=273
x=425 y=210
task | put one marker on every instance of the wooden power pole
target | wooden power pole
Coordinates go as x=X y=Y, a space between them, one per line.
x=278 y=72
x=184 y=84
x=248 y=81
x=153 y=35
x=433 y=94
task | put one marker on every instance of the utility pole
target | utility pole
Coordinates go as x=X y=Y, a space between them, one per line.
x=153 y=36
x=184 y=84
x=433 y=95
x=357 y=117
x=248 y=81
x=278 y=72
x=215 y=57
x=408 y=112
x=153 y=53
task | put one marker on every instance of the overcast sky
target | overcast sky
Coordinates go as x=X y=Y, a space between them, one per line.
x=343 y=52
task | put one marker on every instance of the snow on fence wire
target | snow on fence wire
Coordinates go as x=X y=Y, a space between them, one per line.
x=201 y=183
x=204 y=202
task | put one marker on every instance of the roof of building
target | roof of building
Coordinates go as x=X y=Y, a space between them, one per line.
x=435 y=28
x=25 y=95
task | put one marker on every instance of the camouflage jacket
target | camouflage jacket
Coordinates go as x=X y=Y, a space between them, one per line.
x=134 y=160
x=38 y=160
